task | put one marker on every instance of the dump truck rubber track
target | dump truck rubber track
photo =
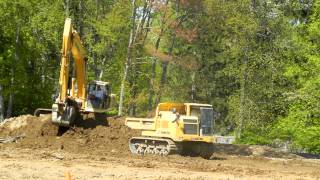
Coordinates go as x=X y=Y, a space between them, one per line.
x=164 y=147
x=149 y=145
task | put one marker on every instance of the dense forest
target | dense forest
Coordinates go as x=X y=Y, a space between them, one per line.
x=255 y=61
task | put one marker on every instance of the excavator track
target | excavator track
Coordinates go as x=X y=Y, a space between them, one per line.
x=164 y=147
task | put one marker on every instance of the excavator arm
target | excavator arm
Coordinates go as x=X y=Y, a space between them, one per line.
x=79 y=56
x=72 y=101
x=72 y=43
x=67 y=106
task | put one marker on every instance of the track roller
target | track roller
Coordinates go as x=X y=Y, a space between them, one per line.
x=147 y=145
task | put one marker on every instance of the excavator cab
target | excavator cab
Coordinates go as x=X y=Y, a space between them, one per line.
x=98 y=97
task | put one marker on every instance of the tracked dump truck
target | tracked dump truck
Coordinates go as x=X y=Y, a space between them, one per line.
x=177 y=128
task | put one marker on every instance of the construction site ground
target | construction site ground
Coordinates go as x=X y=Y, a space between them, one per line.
x=33 y=148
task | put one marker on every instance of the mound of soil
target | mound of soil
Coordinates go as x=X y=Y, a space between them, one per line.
x=110 y=138
x=28 y=126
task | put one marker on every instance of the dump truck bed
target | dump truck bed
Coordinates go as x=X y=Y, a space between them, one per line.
x=140 y=123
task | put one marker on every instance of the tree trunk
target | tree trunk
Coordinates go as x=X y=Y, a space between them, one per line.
x=164 y=72
x=129 y=58
x=80 y=21
x=10 y=106
x=67 y=7
x=166 y=64
x=125 y=75
x=140 y=26
x=147 y=27
x=15 y=61
x=95 y=65
x=154 y=62
x=193 y=86
x=242 y=106
x=1 y=105
x=100 y=75
x=135 y=68
x=153 y=76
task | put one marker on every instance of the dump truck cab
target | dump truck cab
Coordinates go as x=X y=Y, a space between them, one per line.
x=198 y=120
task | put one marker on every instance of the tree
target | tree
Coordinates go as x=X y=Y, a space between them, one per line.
x=301 y=126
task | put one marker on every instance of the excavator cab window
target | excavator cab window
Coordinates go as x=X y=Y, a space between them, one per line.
x=98 y=95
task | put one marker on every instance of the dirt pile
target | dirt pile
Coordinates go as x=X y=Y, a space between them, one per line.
x=27 y=125
x=104 y=139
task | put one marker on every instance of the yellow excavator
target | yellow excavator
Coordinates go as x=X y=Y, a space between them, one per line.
x=182 y=128
x=76 y=96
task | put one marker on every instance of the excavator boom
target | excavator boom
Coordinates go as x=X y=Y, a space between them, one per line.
x=75 y=97
x=71 y=42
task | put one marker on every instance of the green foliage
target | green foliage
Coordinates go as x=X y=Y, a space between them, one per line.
x=112 y=112
x=29 y=48
x=255 y=136
x=302 y=123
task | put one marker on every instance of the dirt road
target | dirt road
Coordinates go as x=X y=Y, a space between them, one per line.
x=45 y=164
x=102 y=153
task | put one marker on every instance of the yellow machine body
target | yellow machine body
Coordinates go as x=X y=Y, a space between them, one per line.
x=72 y=44
x=76 y=96
x=177 y=124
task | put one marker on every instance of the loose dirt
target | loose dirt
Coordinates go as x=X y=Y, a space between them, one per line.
x=99 y=150
x=103 y=138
